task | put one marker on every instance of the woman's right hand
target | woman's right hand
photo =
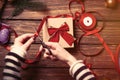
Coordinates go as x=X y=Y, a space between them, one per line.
x=59 y=53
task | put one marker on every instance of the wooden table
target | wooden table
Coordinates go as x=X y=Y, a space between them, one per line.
x=102 y=64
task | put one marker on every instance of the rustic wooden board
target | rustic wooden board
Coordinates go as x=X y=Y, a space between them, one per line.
x=53 y=7
x=56 y=70
x=101 y=61
x=110 y=33
x=62 y=73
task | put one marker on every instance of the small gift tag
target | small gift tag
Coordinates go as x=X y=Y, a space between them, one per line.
x=59 y=30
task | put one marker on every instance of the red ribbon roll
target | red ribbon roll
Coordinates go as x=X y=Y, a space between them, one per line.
x=55 y=34
x=87 y=23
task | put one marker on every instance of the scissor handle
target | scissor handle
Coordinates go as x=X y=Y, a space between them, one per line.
x=47 y=47
x=42 y=43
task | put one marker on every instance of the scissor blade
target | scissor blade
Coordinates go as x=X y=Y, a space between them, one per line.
x=42 y=43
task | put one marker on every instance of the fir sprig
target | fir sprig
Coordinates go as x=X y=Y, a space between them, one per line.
x=20 y=5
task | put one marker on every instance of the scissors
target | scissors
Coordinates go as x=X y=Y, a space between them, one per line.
x=38 y=54
x=41 y=41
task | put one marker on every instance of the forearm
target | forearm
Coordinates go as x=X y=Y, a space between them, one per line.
x=79 y=71
x=17 y=55
x=12 y=67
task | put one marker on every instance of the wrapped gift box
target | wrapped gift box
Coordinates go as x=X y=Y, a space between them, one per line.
x=61 y=29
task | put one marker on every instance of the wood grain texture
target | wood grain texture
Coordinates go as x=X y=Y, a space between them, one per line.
x=102 y=64
x=61 y=7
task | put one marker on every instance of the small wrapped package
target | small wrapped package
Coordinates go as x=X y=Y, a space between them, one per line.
x=59 y=30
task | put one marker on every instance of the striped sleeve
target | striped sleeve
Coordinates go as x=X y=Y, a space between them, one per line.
x=12 y=67
x=80 y=72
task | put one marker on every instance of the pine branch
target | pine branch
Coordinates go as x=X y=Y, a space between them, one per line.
x=20 y=5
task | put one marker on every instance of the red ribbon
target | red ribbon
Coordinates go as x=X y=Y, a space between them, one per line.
x=61 y=31
x=114 y=57
x=55 y=34
x=79 y=2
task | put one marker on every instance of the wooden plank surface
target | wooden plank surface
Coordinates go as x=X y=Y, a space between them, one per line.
x=62 y=73
x=102 y=64
x=110 y=33
x=61 y=7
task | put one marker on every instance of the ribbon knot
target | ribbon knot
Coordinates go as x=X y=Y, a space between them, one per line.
x=55 y=34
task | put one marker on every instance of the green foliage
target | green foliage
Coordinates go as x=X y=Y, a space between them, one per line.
x=20 y=5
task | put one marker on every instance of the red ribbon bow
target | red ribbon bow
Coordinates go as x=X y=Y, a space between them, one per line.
x=56 y=32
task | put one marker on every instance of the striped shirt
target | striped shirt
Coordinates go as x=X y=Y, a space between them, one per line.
x=79 y=71
x=12 y=69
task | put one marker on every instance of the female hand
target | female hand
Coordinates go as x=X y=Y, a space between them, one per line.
x=59 y=53
x=22 y=44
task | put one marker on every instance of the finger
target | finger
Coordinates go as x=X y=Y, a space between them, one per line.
x=46 y=56
x=21 y=38
x=41 y=48
x=28 y=43
x=52 y=45
x=53 y=58
x=47 y=51
x=41 y=51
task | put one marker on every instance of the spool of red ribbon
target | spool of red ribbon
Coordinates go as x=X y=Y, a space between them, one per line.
x=87 y=21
